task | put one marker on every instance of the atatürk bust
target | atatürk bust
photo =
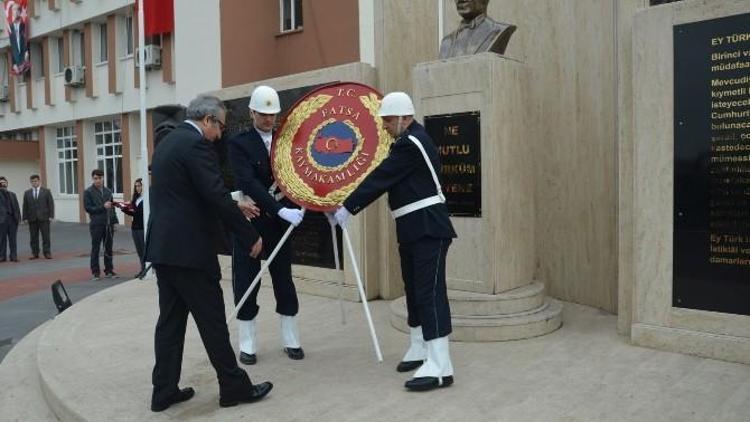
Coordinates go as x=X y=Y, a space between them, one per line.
x=477 y=32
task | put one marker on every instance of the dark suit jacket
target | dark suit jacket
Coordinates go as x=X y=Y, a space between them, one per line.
x=251 y=167
x=135 y=211
x=39 y=209
x=406 y=178
x=8 y=201
x=93 y=202
x=187 y=201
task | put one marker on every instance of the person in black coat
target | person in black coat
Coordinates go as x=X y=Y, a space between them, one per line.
x=38 y=210
x=10 y=215
x=135 y=210
x=188 y=201
x=97 y=200
x=424 y=232
x=250 y=163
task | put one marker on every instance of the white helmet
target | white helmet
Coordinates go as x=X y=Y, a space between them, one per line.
x=264 y=99
x=396 y=104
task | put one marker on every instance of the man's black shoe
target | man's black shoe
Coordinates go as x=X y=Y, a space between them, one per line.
x=111 y=274
x=183 y=395
x=34 y=257
x=248 y=359
x=48 y=256
x=3 y=259
x=14 y=259
x=256 y=393
x=428 y=383
x=409 y=365
x=294 y=353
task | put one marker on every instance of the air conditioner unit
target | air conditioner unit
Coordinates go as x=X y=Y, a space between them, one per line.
x=74 y=76
x=151 y=57
x=4 y=93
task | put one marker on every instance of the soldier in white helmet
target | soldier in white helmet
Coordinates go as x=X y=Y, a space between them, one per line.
x=249 y=158
x=424 y=231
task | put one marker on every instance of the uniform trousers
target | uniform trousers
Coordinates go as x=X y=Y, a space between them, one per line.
x=35 y=227
x=8 y=231
x=423 y=271
x=188 y=290
x=245 y=268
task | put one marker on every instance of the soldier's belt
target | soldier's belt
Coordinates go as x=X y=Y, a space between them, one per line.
x=418 y=205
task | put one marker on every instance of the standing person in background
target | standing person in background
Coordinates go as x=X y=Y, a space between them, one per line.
x=10 y=215
x=135 y=210
x=97 y=199
x=38 y=210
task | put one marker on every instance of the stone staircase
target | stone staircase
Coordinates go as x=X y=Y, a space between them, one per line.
x=513 y=315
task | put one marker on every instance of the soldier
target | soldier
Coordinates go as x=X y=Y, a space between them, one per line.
x=424 y=234
x=249 y=157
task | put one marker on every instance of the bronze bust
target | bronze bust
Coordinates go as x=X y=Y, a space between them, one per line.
x=477 y=32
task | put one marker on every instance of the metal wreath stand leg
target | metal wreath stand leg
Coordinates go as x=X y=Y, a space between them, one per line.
x=361 y=289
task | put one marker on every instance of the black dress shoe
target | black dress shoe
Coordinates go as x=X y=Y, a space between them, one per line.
x=256 y=393
x=34 y=257
x=14 y=259
x=428 y=383
x=3 y=259
x=408 y=365
x=183 y=395
x=295 y=353
x=48 y=256
x=248 y=359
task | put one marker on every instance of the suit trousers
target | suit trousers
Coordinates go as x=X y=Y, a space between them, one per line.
x=423 y=271
x=8 y=231
x=101 y=234
x=140 y=244
x=34 y=228
x=198 y=292
x=245 y=268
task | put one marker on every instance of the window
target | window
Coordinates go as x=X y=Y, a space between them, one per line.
x=291 y=15
x=109 y=153
x=60 y=56
x=4 y=70
x=37 y=61
x=82 y=48
x=67 y=160
x=128 y=35
x=103 y=43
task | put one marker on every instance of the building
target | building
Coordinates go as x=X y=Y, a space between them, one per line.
x=587 y=63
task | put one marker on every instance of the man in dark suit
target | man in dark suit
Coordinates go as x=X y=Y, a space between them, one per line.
x=97 y=200
x=424 y=233
x=188 y=200
x=249 y=159
x=38 y=210
x=10 y=215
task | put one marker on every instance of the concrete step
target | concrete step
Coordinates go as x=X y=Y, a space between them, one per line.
x=533 y=323
x=21 y=397
x=514 y=301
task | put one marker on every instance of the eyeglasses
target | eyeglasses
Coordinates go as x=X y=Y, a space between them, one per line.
x=222 y=125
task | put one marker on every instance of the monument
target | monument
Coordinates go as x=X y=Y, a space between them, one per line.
x=480 y=126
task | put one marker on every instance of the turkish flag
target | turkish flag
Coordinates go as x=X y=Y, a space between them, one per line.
x=333 y=145
x=158 y=15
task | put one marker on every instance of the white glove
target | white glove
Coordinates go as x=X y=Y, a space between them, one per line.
x=342 y=214
x=293 y=216
x=331 y=218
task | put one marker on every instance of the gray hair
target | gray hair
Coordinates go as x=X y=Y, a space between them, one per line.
x=204 y=105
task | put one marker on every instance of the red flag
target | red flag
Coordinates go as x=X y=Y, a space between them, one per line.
x=333 y=145
x=158 y=16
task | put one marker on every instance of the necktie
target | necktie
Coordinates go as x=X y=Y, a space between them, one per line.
x=36 y=193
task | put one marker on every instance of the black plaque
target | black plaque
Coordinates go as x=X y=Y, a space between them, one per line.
x=457 y=139
x=711 y=266
x=311 y=241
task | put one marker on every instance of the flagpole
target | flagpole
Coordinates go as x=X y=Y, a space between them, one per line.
x=144 y=137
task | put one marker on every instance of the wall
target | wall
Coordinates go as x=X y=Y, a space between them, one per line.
x=655 y=322
x=18 y=172
x=253 y=48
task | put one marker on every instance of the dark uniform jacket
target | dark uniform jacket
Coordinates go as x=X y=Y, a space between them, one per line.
x=188 y=201
x=406 y=178
x=251 y=166
x=8 y=206
x=40 y=209
x=93 y=202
